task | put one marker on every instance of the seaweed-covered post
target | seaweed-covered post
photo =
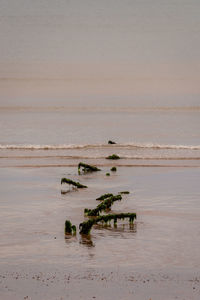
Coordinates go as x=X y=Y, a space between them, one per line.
x=131 y=219
x=86 y=226
x=74 y=183
x=87 y=168
x=103 y=206
x=69 y=228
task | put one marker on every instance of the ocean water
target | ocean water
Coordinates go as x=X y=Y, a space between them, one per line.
x=62 y=135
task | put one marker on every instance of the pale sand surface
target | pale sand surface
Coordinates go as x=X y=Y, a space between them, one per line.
x=36 y=282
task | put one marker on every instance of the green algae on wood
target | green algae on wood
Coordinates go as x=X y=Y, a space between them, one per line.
x=103 y=206
x=74 y=229
x=107 y=174
x=86 y=226
x=69 y=228
x=74 y=183
x=113 y=156
x=113 y=169
x=87 y=168
x=102 y=197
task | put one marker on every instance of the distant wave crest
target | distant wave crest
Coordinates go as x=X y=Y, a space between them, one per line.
x=90 y=146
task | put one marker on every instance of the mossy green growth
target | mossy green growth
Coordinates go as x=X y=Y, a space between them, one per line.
x=113 y=169
x=74 y=183
x=124 y=192
x=87 y=168
x=111 y=142
x=69 y=228
x=113 y=156
x=103 y=206
x=74 y=229
x=102 y=197
x=86 y=226
x=107 y=174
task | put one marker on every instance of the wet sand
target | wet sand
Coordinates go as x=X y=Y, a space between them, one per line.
x=157 y=258
x=90 y=283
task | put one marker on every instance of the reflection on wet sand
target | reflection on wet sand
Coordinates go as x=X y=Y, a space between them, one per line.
x=86 y=240
x=118 y=228
x=70 y=238
x=69 y=190
x=64 y=192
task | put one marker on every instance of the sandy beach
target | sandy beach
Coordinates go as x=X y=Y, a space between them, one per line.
x=90 y=283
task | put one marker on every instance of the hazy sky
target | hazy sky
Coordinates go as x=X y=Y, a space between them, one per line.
x=108 y=39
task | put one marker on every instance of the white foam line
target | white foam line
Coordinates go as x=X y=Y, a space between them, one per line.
x=87 y=146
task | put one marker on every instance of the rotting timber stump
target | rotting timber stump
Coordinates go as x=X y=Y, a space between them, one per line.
x=86 y=226
x=103 y=206
x=74 y=183
x=69 y=228
x=87 y=168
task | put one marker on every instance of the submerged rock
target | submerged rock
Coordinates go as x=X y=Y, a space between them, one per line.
x=113 y=169
x=124 y=192
x=113 y=156
x=111 y=142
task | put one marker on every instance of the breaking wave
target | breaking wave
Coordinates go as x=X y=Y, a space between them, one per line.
x=90 y=146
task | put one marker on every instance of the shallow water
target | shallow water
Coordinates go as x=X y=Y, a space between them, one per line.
x=33 y=212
